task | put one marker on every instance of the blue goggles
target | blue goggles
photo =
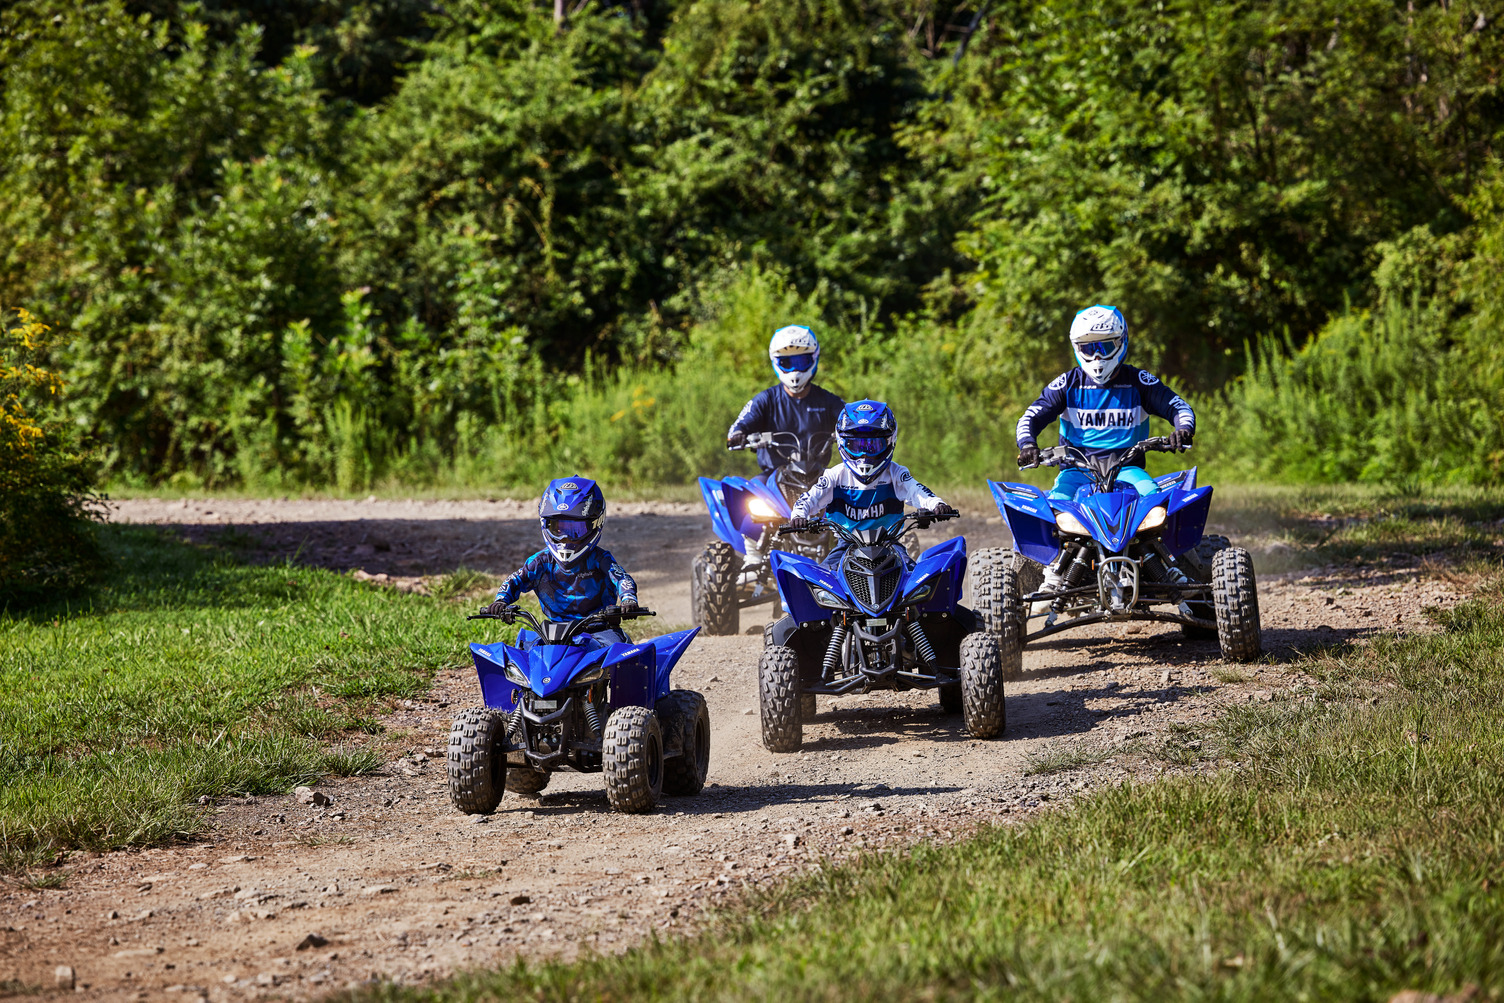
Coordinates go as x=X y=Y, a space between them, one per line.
x=866 y=446
x=1098 y=349
x=795 y=363
x=569 y=529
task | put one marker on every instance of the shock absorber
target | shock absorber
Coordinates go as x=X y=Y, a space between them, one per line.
x=833 y=653
x=592 y=717
x=921 y=644
x=514 y=725
x=1079 y=573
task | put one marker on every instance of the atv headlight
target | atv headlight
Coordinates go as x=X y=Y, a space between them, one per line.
x=829 y=599
x=761 y=511
x=595 y=675
x=1154 y=520
x=920 y=594
x=1070 y=524
x=515 y=675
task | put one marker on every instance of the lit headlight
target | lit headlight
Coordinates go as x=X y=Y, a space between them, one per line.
x=761 y=511
x=920 y=594
x=1070 y=524
x=515 y=675
x=828 y=599
x=1154 y=520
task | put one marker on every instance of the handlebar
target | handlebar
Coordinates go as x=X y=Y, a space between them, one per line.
x=1056 y=456
x=921 y=520
x=764 y=440
x=572 y=628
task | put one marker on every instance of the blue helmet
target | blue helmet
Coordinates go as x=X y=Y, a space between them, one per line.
x=866 y=432
x=572 y=512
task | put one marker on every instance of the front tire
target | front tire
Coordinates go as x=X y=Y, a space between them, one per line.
x=687 y=720
x=477 y=762
x=778 y=698
x=1235 y=594
x=632 y=759
x=997 y=593
x=982 y=702
x=713 y=600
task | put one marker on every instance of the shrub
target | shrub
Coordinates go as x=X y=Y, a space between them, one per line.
x=46 y=500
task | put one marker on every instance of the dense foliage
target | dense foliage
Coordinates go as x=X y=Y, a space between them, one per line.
x=46 y=537
x=331 y=242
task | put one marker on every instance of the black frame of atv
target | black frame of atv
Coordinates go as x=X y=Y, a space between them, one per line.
x=1105 y=474
x=559 y=632
x=894 y=636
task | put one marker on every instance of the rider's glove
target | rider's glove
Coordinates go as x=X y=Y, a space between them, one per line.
x=943 y=509
x=1028 y=455
x=800 y=523
x=627 y=606
x=1181 y=438
x=735 y=439
x=502 y=610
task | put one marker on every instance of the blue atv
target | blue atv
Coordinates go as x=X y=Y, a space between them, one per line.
x=1123 y=556
x=732 y=573
x=556 y=701
x=879 y=622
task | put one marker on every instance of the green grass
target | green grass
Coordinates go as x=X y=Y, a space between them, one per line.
x=191 y=675
x=1352 y=850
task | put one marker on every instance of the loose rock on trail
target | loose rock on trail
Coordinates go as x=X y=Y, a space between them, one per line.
x=378 y=878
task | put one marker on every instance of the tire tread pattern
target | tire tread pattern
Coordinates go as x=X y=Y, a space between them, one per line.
x=626 y=759
x=714 y=594
x=475 y=763
x=1236 y=595
x=778 y=693
x=983 y=707
x=680 y=714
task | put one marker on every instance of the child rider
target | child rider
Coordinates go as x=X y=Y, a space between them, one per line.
x=572 y=577
x=866 y=486
x=1103 y=406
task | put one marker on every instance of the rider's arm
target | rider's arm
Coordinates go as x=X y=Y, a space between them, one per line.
x=752 y=419
x=518 y=582
x=1046 y=409
x=813 y=501
x=912 y=492
x=626 y=588
x=1162 y=402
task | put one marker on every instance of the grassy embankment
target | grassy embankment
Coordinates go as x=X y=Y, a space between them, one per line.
x=187 y=674
x=1352 y=848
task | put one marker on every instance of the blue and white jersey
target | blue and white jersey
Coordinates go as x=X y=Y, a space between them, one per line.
x=570 y=593
x=1104 y=418
x=839 y=492
x=774 y=410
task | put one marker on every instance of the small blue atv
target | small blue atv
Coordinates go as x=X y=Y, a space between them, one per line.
x=732 y=573
x=1115 y=549
x=556 y=701
x=878 y=622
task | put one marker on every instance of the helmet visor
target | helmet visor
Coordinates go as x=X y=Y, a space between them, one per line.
x=1094 y=350
x=796 y=363
x=865 y=447
x=569 y=529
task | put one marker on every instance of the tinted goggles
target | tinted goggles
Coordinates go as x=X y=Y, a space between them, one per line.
x=1098 y=349
x=569 y=529
x=866 y=445
x=796 y=363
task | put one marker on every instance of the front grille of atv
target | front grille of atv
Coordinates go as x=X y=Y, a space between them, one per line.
x=859 y=579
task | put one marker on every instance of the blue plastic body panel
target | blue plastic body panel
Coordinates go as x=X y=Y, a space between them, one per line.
x=944 y=563
x=639 y=672
x=728 y=498
x=1112 y=516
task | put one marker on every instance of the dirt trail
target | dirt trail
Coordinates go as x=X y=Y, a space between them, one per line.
x=387 y=882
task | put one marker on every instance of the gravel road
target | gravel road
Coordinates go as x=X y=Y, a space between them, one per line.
x=388 y=882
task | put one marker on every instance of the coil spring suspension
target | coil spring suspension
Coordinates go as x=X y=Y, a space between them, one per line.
x=1079 y=573
x=592 y=719
x=514 y=724
x=833 y=653
x=921 y=644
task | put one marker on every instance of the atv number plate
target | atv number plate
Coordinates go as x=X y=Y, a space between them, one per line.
x=545 y=705
x=879 y=624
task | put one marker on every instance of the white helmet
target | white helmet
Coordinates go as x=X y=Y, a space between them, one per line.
x=795 y=352
x=1099 y=337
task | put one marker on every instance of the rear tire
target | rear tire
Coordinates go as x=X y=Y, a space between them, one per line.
x=686 y=721
x=807 y=707
x=1197 y=565
x=632 y=759
x=477 y=766
x=1236 y=596
x=982 y=685
x=997 y=592
x=713 y=600
x=525 y=780
x=778 y=693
